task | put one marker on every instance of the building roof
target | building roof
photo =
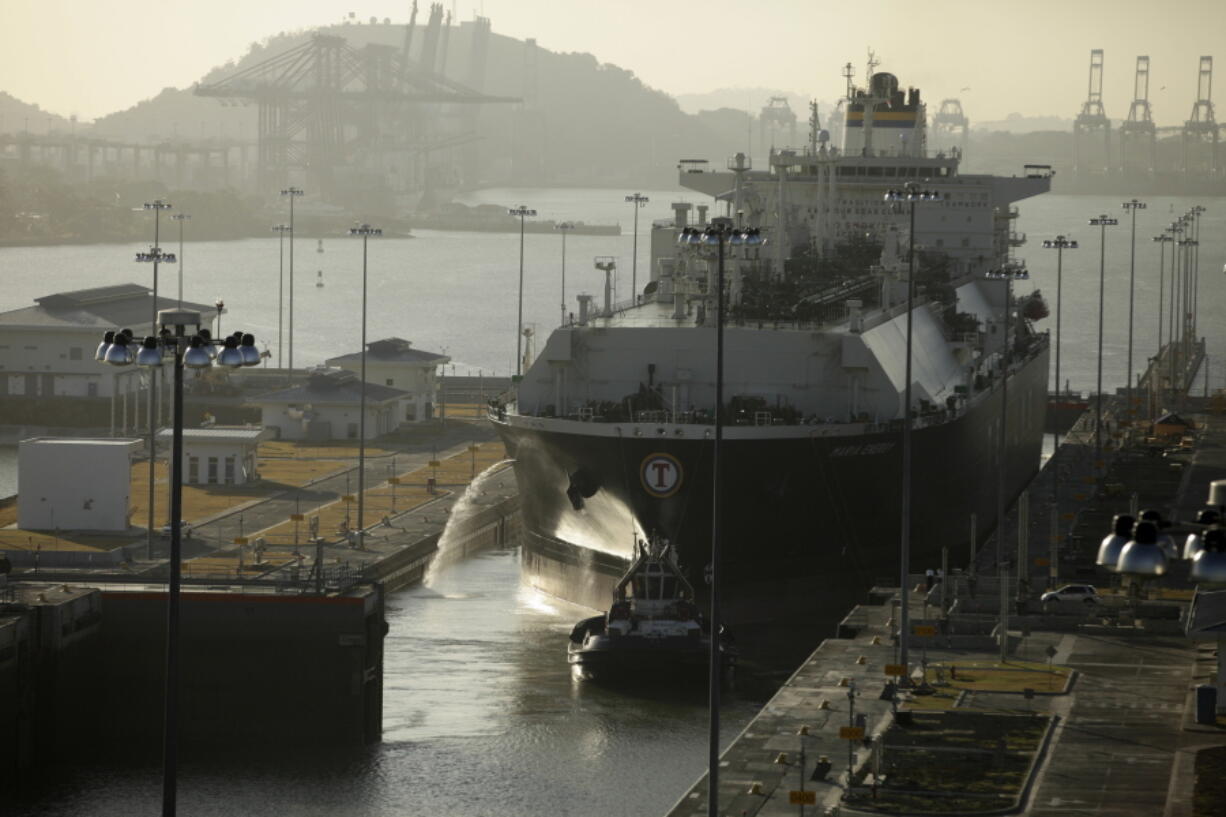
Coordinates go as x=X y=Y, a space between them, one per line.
x=220 y=434
x=331 y=386
x=100 y=308
x=393 y=350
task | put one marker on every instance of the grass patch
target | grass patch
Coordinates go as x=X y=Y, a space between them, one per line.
x=953 y=762
x=948 y=681
x=1209 y=792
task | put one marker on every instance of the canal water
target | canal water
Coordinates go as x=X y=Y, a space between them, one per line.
x=481 y=717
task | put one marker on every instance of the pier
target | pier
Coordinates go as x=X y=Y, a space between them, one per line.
x=1010 y=704
x=283 y=613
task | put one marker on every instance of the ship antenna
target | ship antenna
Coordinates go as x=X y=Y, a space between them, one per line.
x=849 y=73
x=873 y=62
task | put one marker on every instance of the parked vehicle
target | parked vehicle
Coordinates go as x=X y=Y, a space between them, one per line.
x=1072 y=592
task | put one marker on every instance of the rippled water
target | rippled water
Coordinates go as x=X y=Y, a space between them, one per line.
x=481 y=717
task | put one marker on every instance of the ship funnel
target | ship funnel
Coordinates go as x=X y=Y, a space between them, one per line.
x=681 y=214
x=585 y=309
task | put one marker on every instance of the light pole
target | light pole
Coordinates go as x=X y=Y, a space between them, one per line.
x=1059 y=244
x=365 y=231
x=910 y=194
x=1176 y=230
x=719 y=233
x=1187 y=325
x=522 y=212
x=638 y=200
x=1010 y=272
x=181 y=217
x=183 y=340
x=1163 y=239
x=1196 y=212
x=155 y=256
x=1102 y=222
x=281 y=230
x=1132 y=207
x=564 y=227
x=293 y=193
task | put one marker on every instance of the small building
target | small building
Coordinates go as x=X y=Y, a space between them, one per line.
x=1171 y=425
x=221 y=455
x=327 y=407
x=75 y=483
x=394 y=363
x=47 y=350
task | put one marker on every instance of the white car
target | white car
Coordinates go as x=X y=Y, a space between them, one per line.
x=1072 y=592
x=185 y=532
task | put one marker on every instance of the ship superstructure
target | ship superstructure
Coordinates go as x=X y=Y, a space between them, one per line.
x=611 y=429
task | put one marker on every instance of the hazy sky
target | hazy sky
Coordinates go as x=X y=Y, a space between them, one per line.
x=91 y=57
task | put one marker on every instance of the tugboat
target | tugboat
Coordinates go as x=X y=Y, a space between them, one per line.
x=319 y=279
x=653 y=631
x=320 y=247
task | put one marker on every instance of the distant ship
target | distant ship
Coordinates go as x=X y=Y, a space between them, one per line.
x=611 y=427
x=494 y=219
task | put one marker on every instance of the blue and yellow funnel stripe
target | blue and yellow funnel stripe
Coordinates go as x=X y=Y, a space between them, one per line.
x=883 y=119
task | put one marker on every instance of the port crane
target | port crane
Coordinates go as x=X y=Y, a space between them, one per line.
x=1138 y=135
x=1090 y=123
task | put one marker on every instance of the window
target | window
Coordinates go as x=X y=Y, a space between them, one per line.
x=229 y=476
x=74 y=353
x=389 y=382
x=91 y=389
x=352 y=431
x=193 y=470
x=212 y=471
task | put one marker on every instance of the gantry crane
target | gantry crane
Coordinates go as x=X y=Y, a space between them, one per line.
x=950 y=125
x=1138 y=135
x=1200 y=132
x=776 y=117
x=1092 y=120
x=343 y=115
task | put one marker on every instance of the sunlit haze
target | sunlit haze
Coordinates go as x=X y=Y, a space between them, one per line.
x=93 y=58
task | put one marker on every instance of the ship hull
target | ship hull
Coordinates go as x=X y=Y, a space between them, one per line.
x=808 y=522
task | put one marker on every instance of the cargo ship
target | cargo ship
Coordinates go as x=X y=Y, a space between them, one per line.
x=611 y=425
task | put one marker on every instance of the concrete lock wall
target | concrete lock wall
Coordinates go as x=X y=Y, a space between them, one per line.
x=256 y=669
x=74 y=483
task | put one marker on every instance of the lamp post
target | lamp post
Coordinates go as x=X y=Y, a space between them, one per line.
x=522 y=212
x=1059 y=244
x=1162 y=239
x=1010 y=272
x=1102 y=222
x=1176 y=230
x=718 y=234
x=1132 y=207
x=293 y=193
x=910 y=193
x=1187 y=324
x=281 y=230
x=1195 y=212
x=365 y=231
x=181 y=217
x=564 y=227
x=155 y=256
x=183 y=340
x=638 y=200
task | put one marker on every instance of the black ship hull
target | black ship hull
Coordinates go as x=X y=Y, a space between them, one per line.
x=809 y=521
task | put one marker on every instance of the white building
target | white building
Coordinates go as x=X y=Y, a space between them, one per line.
x=74 y=483
x=392 y=362
x=48 y=349
x=326 y=407
x=218 y=455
